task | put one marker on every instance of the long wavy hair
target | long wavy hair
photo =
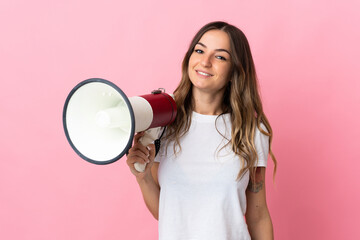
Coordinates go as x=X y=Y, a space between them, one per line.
x=241 y=99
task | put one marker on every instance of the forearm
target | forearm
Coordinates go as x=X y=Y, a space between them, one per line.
x=151 y=193
x=149 y=187
x=257 y=214
x=262 y=228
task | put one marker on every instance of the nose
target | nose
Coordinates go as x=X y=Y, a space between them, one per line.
x=206 y=61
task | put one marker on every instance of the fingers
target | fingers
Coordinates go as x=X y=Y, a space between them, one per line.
x=139 y=150
x=139 y=147
x=136 y=155
x=141 y=154
x=138 y=136
x=151 y=148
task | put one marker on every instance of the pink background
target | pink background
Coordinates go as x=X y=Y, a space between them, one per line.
x=307 y=57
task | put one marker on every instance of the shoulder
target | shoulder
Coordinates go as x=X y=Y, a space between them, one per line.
x=261 y=142
x=259 y=135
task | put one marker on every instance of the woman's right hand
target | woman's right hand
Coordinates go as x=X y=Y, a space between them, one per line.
x=141 y=154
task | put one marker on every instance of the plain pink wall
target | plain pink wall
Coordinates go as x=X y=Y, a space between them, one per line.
x=307 y=57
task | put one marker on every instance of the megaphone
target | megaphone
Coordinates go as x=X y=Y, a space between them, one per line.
x=99 y=120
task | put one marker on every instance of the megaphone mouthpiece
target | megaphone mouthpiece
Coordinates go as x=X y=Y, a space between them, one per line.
x=112 y=117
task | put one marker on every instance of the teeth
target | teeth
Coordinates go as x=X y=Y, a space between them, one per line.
x=205 y=74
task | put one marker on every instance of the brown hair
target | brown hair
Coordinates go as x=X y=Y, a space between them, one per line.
x=241 y=99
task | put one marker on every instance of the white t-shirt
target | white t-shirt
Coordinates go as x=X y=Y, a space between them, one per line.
x=200 y=198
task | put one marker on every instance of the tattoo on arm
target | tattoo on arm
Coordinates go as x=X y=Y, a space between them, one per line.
x=255 y=187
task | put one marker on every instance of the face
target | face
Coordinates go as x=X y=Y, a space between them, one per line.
x=210 y=63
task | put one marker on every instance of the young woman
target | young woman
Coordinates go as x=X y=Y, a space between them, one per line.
x=208 y=179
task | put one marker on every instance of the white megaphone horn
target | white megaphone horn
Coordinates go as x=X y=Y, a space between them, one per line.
x=100 y=120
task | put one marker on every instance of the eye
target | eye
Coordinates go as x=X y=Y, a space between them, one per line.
x=198 y=51
x=221 y=58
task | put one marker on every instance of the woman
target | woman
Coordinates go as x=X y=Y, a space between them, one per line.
x=210 y=169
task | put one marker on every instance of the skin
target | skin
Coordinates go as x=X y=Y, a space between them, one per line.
x=147 y=180
x=257 y=214
x=211 y=55
x=209 y=68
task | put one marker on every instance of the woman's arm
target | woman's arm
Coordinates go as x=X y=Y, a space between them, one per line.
x=257 y=214
x=151 y=191
x=147 y=180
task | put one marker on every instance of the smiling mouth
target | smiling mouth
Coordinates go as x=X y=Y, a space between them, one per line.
x=204 y=73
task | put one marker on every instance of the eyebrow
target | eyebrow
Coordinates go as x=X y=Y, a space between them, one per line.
x=218 y=50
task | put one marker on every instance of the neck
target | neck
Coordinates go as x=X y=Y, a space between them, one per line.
x=207 y=103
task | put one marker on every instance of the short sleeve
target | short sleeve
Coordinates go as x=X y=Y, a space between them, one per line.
x=262 y=146
x=157 y=158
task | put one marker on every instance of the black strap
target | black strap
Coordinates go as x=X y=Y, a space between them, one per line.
x=157 y=142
